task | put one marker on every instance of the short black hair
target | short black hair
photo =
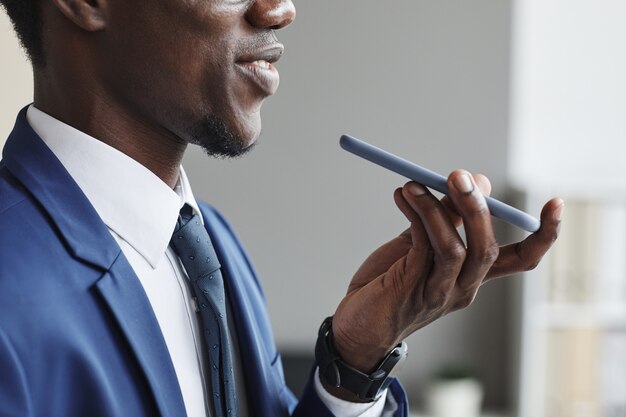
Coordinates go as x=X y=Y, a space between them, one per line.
x=27 y=22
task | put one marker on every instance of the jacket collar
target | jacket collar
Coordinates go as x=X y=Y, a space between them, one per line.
x=129 y=198
x=34 y=165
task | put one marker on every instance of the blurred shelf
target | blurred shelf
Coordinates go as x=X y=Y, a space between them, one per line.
x=484 y=415
x=568 y=316
x=573 y=314
x=574 y=189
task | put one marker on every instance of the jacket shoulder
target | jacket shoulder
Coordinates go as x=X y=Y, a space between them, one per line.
x=11 y=192
x=29 y=243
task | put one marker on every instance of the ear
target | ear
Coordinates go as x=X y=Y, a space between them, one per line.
x=90 y=15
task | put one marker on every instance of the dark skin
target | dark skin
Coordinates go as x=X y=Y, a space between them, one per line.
x=145 y=79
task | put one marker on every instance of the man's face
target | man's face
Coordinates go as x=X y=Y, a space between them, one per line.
x=199 y=69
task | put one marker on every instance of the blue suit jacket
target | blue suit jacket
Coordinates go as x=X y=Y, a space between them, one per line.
x=78 y=336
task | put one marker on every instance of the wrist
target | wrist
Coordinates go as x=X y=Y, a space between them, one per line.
x=344 y=381
x=363 y=358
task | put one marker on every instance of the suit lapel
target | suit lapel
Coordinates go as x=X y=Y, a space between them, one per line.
x=28 y=158
x=125 y=296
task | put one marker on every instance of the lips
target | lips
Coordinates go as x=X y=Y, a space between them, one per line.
x=257 y=67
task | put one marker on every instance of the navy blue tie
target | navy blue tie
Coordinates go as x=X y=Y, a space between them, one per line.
x=192 y=244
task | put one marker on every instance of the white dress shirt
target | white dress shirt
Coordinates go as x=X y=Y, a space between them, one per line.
x=140 y=211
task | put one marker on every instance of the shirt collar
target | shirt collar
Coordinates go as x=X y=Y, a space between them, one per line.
x=132 y=201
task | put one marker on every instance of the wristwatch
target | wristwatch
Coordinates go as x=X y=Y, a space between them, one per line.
x=335 y=372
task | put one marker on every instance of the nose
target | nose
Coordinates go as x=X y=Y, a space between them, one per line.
x=271 y=14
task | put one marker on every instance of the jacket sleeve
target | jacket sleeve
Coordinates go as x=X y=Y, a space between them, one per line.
x=310 y=404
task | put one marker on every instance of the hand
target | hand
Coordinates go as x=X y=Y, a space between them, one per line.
x=428 y=271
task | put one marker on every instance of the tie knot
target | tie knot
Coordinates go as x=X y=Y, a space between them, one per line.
x=192 y=244
x=185 y=215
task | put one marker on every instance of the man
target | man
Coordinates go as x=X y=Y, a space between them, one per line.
x=101 y=310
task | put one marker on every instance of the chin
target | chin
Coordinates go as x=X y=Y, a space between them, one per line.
x=250 y=128
x=224 y=140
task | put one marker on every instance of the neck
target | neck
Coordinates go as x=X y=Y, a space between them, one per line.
x=93 y=112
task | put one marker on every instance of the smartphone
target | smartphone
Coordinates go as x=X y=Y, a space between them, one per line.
x=433 y=180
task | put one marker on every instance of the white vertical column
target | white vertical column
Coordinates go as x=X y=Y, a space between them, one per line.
x=568 y=138
x=568 y=116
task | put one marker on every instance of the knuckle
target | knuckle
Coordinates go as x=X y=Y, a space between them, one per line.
x=479 y=213
x=532 y=265
x=465 y=301
x=453 y=254
x=427 y=206
x=480 y=210
x=490 y=254
x=528 y=260
x=552 y=237
x=406 y=236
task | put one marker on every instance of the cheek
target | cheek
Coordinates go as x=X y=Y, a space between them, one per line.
x=160 y=64
x=229 y=96
x=175 y=65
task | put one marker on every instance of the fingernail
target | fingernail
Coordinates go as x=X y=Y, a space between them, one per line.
x=416 y=189
x=463 y=183
x=558 y=213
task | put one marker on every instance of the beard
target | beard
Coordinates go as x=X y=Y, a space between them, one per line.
x=218 y=141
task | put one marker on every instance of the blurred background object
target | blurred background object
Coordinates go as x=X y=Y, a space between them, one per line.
x=531 y=93
x=568 y=125
x=454 y=392
x=573 y=326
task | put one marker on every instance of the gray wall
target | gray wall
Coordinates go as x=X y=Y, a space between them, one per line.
x=426 y=79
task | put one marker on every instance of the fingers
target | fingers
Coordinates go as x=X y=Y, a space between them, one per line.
x=404 y=206
x=416 y=234
x=484 y=185
x=417 y=258
x=525 y=255
x=457 y=271
x=438 y=274
x=447 y=246
x=482 y=247
x=380 y=261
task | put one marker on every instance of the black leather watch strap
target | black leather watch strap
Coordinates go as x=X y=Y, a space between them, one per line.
x=334 y=371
